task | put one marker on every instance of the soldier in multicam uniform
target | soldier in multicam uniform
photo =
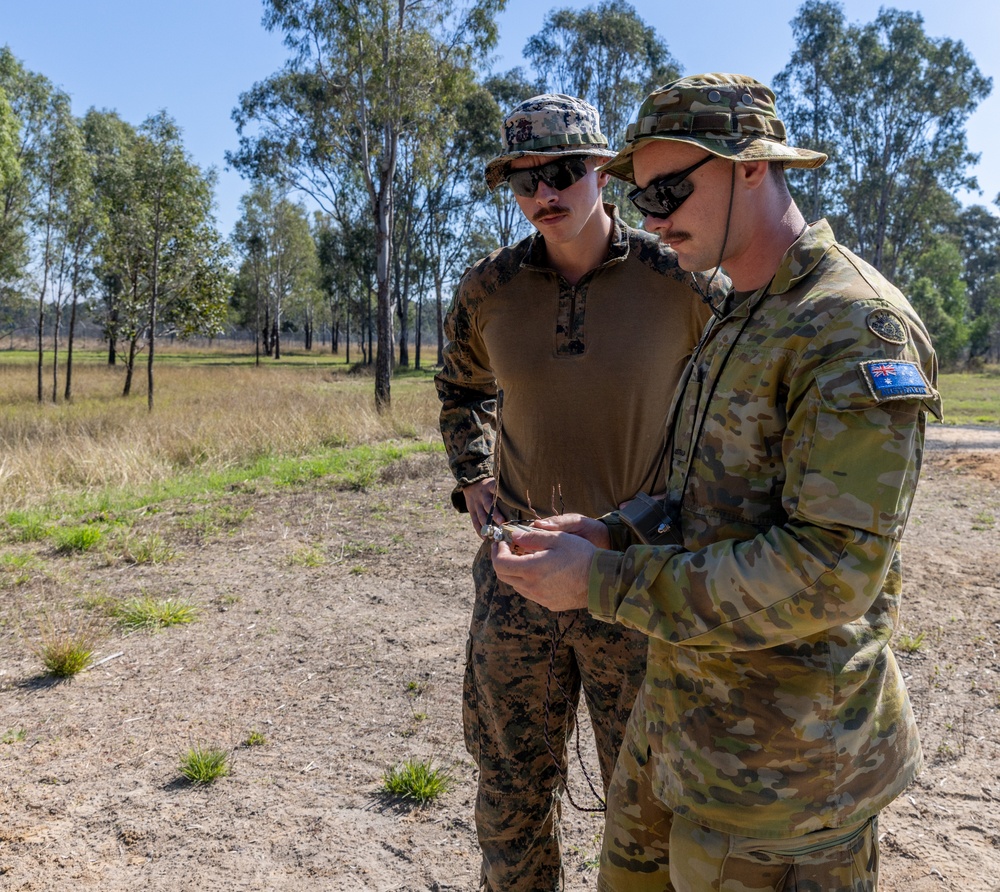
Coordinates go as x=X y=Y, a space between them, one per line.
x=773 y=724
x=584 y=327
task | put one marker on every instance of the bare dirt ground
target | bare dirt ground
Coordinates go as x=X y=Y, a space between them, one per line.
x=334 y=623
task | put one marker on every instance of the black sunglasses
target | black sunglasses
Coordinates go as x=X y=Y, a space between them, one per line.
x=662 y=197
x=560 y=173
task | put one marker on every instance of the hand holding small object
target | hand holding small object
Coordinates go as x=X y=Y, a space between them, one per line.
x=549 y=563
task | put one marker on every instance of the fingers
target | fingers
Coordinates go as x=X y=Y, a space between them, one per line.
x=567 y=523
x=594 y=531
x=479 y=498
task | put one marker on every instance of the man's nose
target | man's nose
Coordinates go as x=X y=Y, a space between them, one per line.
x=545 y=193
x=658 y=225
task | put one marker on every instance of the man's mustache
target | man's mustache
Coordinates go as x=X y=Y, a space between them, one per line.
x=550 y=211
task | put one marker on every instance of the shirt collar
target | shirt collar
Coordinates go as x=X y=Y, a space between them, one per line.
x=799 y=261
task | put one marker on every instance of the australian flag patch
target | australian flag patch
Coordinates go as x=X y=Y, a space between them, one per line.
x=895 y=379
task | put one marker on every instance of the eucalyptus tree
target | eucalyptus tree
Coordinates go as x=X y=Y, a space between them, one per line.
x=979 y=234
x=57 y=168
x=607 y=55
x=42 y=200
x=347 y=275
x=938 y=294
x=161 y=243
x=110 y=146
x=361 y=73
x=889 y=105
x=74 y=239
x=273 y=236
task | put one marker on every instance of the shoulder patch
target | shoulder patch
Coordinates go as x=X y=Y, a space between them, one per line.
x=895 y=379
x=888 y=326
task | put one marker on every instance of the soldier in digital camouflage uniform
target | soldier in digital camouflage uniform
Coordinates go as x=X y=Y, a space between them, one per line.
x=773 y=724
x=585 y=327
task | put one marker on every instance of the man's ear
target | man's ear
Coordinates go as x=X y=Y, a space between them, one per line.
x=752 y=173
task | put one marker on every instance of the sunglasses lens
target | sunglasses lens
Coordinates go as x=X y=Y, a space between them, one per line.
x=661 y=199
x=565 y=173
x=523 y=182
x=559 y=174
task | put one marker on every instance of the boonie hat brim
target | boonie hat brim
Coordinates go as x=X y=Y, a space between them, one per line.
x=750 y=149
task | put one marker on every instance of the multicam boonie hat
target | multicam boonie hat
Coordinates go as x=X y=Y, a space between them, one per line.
x=550 y=124
x=729 y=115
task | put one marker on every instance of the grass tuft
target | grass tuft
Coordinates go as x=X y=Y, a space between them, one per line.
x=416 y=780
x=13 y=735
x=205 y=765
x=77 y=538
x=147 y=612
x=26 y=526
x=64 y=655
x=135 y=549
x=910 y=644
x=308 y=556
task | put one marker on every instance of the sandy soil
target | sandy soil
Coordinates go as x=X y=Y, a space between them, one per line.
x=333 y=624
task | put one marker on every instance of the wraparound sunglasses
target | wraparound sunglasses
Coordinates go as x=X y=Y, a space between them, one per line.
x=560 y=173
x=662 y=197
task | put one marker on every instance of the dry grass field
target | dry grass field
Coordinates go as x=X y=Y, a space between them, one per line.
x=209 y=416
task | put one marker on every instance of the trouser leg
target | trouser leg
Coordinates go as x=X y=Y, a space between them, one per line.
x=635 y=856
x=510 y=731
x=612 y=661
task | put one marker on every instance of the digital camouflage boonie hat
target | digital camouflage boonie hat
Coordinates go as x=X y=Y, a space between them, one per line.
x=729 y=115
x=550 y=124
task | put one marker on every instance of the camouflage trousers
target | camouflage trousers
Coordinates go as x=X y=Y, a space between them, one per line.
x=648 y=848
x=525 y=667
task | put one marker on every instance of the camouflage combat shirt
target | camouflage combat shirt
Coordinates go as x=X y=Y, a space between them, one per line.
x=587 y=373
x=772 y=702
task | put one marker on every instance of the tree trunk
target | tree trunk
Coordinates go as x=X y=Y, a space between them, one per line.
x=70 y=337
x=369 y=357
x=439 y=312
x=113 y=337
x=152 y=349
x=402 y=311
x=41 y=346
x=418 y=324
x=129 y=365
x=383 y=247
x=55 y=356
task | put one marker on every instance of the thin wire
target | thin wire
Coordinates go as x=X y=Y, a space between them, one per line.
x=556 y=641
x=496 y=463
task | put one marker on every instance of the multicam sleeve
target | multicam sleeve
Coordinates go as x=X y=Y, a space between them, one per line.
x=468 y=394
x=850 y=475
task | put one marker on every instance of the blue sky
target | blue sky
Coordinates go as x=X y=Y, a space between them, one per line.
x=194 y=57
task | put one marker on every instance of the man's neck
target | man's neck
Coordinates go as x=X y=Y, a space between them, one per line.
x=574 y=259
x=755 y=266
